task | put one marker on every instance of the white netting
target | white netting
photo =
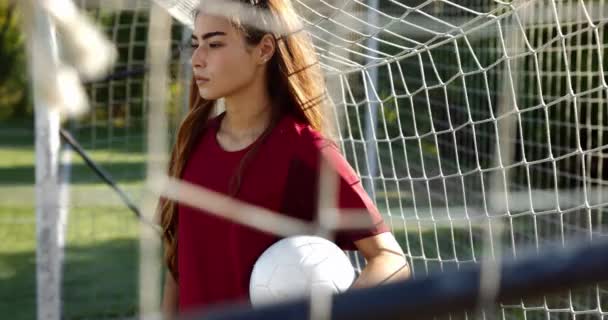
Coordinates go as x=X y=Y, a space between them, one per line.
x=115 y=133
x=459 y=117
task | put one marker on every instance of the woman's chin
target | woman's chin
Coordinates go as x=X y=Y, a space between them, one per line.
x=207 y=95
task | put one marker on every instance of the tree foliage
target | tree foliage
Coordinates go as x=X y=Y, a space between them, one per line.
x=14 y=90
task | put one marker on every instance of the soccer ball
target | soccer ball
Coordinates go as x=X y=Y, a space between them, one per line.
x=296 y=266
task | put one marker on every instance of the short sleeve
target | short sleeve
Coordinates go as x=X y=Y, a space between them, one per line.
x=351 y=196
x=302 y=187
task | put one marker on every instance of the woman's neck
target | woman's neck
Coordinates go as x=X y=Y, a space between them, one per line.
x=247 y=116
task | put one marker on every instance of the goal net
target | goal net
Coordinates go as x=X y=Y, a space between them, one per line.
x=476 y=126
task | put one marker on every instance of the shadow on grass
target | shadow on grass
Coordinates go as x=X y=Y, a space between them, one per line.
x=20 y=133
x=80 y=173
x=99 y=281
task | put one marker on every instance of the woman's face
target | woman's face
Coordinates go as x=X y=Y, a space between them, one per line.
x=221 y=60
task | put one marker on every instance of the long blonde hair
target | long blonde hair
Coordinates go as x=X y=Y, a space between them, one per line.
x=296 y=87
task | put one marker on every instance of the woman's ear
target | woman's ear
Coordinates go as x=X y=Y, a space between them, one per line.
x=267 y=47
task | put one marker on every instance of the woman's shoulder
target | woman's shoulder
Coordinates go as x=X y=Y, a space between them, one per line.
x=302 y=136
x=310 y=146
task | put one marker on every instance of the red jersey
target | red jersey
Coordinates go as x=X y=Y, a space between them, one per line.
x=215 y=255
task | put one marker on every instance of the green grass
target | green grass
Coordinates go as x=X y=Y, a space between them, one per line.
x=101 y=257
x=100 y=269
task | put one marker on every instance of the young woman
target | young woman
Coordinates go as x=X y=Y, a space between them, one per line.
x=265 y=149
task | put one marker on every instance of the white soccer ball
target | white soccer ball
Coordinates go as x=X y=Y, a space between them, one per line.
x=296 y=266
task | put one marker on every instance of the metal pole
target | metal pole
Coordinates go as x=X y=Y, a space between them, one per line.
x=42 y=47
x=372 y=117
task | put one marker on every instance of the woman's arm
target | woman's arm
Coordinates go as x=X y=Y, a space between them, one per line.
x=385 y=261
x=170 y=297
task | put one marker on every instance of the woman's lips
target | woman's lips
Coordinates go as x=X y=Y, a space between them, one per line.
x=201 y=79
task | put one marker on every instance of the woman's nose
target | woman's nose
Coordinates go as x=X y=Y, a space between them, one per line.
x=199 y=58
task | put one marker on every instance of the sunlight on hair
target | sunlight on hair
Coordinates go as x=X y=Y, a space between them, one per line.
x=231 y=9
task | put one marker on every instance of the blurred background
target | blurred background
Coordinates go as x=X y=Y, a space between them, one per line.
x=473 y=124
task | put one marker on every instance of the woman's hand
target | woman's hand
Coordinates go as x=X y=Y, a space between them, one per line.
x=385 y=261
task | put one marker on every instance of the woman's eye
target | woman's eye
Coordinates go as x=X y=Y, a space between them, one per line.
x=215 y=45
x=193 y=45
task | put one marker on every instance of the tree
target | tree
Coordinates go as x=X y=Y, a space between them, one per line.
x=14 y=88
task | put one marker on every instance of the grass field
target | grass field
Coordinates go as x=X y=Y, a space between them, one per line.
x=100 y=270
